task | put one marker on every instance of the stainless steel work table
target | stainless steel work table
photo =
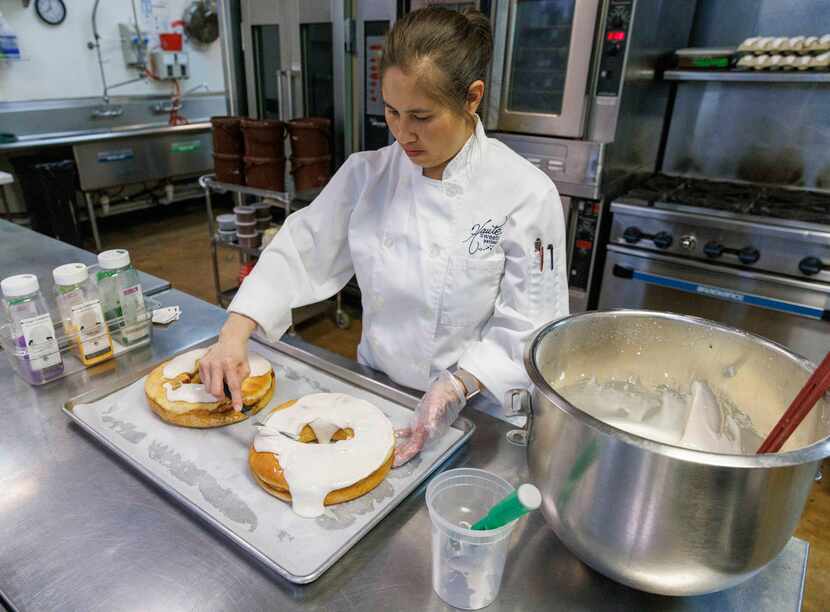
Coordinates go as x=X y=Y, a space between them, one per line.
x=79 y=530
x=22 y=250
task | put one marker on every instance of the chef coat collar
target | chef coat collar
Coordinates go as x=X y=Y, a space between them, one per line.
x=462 y=166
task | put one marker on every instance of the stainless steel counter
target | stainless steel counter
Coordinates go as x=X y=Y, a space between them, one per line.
x=102 y=134
x=22 y=250
x=79 y=530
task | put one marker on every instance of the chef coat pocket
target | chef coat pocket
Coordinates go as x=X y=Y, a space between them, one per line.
x=470 y=291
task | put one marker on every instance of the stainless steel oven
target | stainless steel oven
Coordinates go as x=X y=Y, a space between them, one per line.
x=792 y=312
x=558 y=66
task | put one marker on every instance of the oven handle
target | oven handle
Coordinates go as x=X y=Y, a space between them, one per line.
x=719 y=293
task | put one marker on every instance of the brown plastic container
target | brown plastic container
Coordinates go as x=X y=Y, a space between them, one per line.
x=265 y=173
x=229 y=168
x=264 y=138
x=310 y=136
x=227 y=135
x=310 y=172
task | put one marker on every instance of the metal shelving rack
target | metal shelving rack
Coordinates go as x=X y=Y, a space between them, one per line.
x=748 y=76
x=210 y=185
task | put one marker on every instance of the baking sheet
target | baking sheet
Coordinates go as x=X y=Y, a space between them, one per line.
x=207 y=470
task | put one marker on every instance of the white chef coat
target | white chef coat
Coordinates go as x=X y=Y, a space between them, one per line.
x=447 y=269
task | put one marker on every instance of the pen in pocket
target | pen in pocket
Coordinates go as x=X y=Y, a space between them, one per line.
x=538 y=248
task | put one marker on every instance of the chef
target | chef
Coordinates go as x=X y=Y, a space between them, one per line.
x=457 y=242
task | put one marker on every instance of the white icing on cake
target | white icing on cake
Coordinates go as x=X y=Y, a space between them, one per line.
x=183 y=364
x=192 y=394
x=258 y=365
x=312 y=471
x=186 y=364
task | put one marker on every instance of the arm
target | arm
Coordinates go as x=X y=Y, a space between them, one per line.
x=306 y=262
x=528 y=297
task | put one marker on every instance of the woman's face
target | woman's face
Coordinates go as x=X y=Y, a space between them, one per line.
x=429 y=133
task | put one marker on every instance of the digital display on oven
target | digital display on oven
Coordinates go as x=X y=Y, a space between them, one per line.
x=615 y=36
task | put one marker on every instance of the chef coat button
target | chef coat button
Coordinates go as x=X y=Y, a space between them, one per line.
x=434 y=251
x=378 y=301
x=453 y=190
x=388 y=243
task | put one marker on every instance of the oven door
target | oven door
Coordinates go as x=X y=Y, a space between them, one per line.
x=792 y=312
x=546 y=67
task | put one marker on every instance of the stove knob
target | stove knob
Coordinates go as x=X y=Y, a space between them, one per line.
x=688 y=242
x=713 y=250
x=749 y=255
x=811 y=265
x=663 y=240
x=632 y=235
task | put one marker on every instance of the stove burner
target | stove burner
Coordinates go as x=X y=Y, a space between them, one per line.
x=738 y=198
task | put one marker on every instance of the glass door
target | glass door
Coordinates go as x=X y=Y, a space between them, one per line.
x=266 y=42
x=267 y=66
x=546 y=68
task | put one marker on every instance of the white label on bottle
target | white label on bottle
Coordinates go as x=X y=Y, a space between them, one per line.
x=88 y=321
x=132 y=303
x=41 y=344
x=132 y=306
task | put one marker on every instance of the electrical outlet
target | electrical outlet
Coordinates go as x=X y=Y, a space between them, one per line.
x=171 y=65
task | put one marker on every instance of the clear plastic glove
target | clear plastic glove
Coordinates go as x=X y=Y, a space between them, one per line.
x=436 y=411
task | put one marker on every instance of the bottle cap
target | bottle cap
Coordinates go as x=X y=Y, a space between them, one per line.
x=19 y=285
x=114 y=259
x=70 y=274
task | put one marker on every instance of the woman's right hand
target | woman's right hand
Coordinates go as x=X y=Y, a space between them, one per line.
x=227 y=360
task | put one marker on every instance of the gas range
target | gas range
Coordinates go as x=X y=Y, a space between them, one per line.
x=753 y=227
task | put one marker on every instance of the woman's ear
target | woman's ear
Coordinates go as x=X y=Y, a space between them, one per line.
x=475 y=94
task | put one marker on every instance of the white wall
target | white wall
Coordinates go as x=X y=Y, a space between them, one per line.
x=57 y=63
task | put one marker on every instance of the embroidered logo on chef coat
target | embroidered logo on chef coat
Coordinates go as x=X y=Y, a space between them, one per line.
x=484 y=236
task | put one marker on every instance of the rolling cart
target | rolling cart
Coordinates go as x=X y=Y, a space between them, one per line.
x=289 y=202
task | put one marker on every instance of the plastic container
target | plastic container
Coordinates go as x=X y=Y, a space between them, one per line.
x=226 y=235
x=9 y=48
x=264 y=138
x=244 y=214
x=248 y=228
x=310 y=136
x=226 y=222
x=33 y=348
x=250 y=241
x=262 y=210
x=229 y=168
x=310 y=172
x=265 y=173
x=262 y=225
x=121 y=297
x=81 y=313
x=227 y=136
x=467 y=565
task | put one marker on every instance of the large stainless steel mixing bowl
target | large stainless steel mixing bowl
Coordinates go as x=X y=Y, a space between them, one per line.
x=658 y=517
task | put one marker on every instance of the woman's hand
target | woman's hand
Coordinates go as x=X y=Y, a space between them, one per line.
x=437 y=410
x=227 y=360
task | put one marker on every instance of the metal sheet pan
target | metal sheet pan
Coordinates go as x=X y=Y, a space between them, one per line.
x=206 y=471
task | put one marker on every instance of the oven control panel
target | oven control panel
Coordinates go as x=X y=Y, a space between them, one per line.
x=614 y=44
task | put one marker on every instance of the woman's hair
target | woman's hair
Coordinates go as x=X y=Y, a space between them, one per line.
x=446 y=50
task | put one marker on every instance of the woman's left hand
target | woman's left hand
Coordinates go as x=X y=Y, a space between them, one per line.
x=437 y=410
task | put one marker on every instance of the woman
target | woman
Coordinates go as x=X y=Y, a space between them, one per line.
x=457 y=242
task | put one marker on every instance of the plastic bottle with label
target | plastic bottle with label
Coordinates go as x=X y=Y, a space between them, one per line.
x=33 y=331
x=121 y=297
x=81 y=312
x=9 y=49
